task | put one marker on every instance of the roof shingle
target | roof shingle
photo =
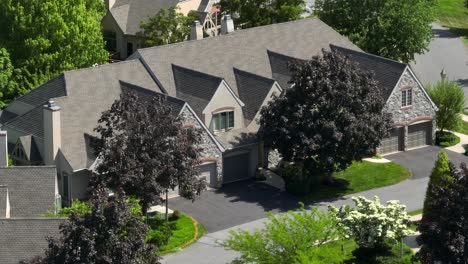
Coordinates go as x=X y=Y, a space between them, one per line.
x=31 y=190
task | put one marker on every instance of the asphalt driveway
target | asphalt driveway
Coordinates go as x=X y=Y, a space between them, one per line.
x=235 y=204
x=421 y=161
x=242 y=202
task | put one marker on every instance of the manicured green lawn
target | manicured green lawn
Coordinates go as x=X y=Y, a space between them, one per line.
x=453 y=14
x=463 y=128
x=416 y=212
x=361 y=176
x=183 y=235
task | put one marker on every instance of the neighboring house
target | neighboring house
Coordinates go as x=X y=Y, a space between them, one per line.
x=25 y=191
x=121 y=24
x=220 y=89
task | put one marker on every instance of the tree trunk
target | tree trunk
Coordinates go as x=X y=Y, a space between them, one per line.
x=328 y=178
x=167 y=205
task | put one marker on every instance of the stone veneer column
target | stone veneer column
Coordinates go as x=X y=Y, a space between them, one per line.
x=405 y=138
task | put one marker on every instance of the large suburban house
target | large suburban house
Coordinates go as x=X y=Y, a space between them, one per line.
x=121 y=24
x=219 y=89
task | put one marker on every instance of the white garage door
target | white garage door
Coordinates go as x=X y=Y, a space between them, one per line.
x=392 y=143
x=418 y=135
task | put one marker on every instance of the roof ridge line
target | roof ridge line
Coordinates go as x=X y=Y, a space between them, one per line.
x=370 y=55
x=150 y=91
x=254 y=74
x=236 y=32
x=192 y=70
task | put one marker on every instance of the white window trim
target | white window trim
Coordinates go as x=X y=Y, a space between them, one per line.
x=220 y=112
x=405 y=92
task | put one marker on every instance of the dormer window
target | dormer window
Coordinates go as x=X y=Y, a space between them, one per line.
x=223 y=120
x=406 y=97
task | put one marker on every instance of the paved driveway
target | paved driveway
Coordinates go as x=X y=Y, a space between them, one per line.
x=242 y=202
x=421 y=161
x=235 y=204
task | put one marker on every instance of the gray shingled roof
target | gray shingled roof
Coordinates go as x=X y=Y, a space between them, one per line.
x=22 y=239
x=3 y=194
x=244 y=49
x=89 y=92
x=280 y=68
x=31 y=189
x=386 y=72
x=30 y=148
x=130 y=13
x=195 y=87
x=253 y=90
x=29 y=123
x=175 y=104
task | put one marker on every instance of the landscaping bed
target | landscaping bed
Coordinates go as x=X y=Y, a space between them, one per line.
x=360 y=176
x=446 y=139
x=391 y=255
x=176 y=234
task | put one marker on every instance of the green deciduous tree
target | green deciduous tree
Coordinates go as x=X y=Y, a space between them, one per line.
x=390 y=28
x=444 y=225
x=332 y=116
x=254 y=13
x=168 y=26
x=6 y=76
x=145 y=150
x=450 y=99
x=45 y=38
x=110 y=233
x=296 y=237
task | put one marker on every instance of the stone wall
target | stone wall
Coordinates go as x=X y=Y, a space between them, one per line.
x=210 y=152
x=421 y=109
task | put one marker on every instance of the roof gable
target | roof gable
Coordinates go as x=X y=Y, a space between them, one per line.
x=253 y=90
x=130 y=13
x=386 y=72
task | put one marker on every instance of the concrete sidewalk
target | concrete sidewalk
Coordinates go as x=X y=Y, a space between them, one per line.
x=206 y=251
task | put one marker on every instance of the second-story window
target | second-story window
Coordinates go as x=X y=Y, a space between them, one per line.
x=406 y=97
x=223 y=121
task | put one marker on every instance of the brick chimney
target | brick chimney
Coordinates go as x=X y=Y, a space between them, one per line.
x=197 y=31
x=227 y=25
x=52 y=132
x=3 y=149
x=109 y=4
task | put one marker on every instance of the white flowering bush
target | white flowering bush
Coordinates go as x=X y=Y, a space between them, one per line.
x=371 y=223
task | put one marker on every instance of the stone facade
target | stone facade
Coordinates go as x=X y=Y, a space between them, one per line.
x=210 y=152
x=421 y=109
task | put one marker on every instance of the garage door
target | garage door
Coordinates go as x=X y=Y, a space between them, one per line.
x=207 y=171
x=236 y=168
x=418 y=135
x=393 y=143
